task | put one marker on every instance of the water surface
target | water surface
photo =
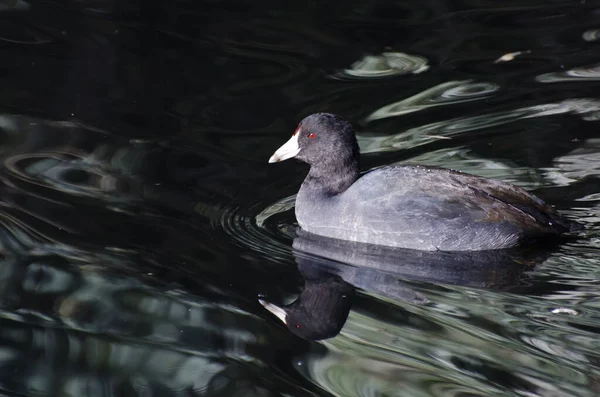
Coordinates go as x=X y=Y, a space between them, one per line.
x=140 y=221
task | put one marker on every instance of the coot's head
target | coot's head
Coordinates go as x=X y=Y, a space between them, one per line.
x=320 y=138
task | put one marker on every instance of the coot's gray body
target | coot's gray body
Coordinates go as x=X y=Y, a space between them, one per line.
x=428 y=209
x=418 y=207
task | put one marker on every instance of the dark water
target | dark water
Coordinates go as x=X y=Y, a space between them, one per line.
x=140 y=221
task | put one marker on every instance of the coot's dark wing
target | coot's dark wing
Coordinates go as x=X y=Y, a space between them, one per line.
x=517 y=198
x=416 y=206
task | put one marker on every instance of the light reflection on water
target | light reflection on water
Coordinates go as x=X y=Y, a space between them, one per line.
x=591 y=73
x=448 y=129
x=513 y=343
x=91 y=321
x=140 y=223
x=387 y=64
x=447 y=93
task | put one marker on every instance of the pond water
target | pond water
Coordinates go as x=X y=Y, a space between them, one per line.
x=140 y=222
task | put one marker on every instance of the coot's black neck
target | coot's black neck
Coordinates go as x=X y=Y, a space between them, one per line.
x=332 y=177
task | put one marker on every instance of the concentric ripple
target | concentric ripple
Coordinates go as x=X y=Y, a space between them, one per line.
x=269 y=231
x=70 y=174
x=48 y=157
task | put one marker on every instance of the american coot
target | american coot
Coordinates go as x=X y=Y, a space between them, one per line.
x=411 y=206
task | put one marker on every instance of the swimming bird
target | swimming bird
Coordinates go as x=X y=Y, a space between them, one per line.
x=409 y=206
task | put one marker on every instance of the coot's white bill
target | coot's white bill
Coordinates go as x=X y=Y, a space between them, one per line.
x=288 y=150
x=276 y=310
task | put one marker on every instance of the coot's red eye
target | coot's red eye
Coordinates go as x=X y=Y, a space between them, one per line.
x=312 y=135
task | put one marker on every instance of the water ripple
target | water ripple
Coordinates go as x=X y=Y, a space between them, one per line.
x=269 y=232
x=580 y=163
x=131 y=328
x=72 y=174
x=589 y=73
x=476 y=359
x=345 y=375
x=386 y=64
x=447 y=129
x=447 y=93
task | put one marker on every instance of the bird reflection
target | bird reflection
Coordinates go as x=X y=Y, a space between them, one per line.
x=333 y=269
x=321 y=309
